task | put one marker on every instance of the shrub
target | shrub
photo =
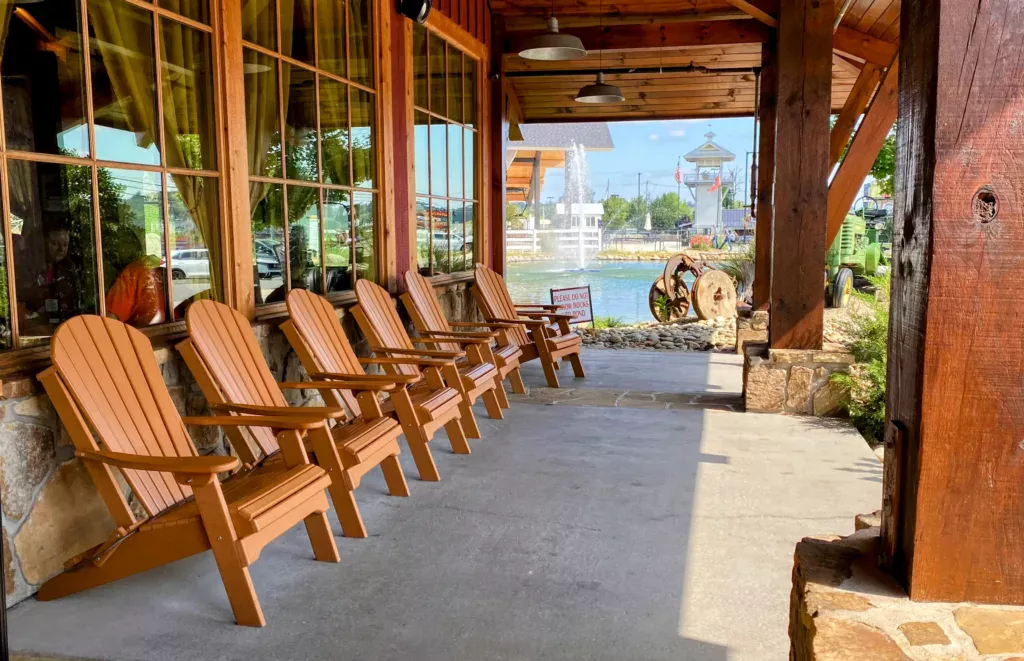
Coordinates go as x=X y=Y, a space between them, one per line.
x=700 y=242
x=608 y=322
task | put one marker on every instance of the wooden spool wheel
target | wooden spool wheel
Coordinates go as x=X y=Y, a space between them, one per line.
x=676 y=268
x=714 y=295
x=668 y=307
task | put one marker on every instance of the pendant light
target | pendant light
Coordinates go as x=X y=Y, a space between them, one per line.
x=600 y=91
x=553 y=45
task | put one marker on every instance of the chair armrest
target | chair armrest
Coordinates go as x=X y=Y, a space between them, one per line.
x=429 y=353
x=385 y=382
x=542 y=306
x=448 y=339
x=482 y=324
x=209 y=465
x=554 y=316
x=422 y=362
x=522 y=322
x=466 y=334
x=319 y=412
x=293 y=421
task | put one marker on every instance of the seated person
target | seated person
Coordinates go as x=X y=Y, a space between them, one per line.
x=137 y=295
x=55 y=293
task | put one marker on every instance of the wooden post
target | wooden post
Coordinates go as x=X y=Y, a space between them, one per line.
x=801 y=176
x=954 y=496
x=765 y=176
x=496 y=132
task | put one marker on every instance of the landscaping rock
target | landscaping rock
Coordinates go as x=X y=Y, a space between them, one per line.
x=26 y=456
x=766 y=389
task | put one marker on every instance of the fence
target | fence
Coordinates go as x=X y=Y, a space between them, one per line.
x=559 y=240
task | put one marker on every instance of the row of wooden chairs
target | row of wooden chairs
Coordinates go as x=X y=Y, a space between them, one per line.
x=106 y=386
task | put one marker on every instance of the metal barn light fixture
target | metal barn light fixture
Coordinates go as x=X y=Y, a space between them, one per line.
x=553 y=46
x=600 y=92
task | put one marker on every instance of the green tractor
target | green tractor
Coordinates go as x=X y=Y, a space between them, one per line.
x=864 y=243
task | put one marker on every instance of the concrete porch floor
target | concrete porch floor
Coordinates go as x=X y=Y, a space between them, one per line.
x=592 y=523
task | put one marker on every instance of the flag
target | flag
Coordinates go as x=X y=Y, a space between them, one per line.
x=718 y=184
x=679 y=171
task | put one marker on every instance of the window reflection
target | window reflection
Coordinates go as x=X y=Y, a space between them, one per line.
x=454 y=84
x=362 y=138
x=304 y=238
x=297 y=30
x=300 y=123
x=455 y=160
x=439 y=236
x=419 y=65
x=268 y=240
x=337 y=240
x=259 y=22
x=361 y=42
x=438 y=89
x=334 y=128
x=262 y=114
x=438 y=157
x=194 y=240
x=188 y=103
x=421 y=164
x=331 y=36
x=366 y=265
x=424 y=242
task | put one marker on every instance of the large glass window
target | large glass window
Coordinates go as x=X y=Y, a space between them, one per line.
x=311 y=130
x=109 y=159
x=445 y=127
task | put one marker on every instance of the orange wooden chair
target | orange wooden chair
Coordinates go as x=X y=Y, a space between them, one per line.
x=222 y=353
x=107 y=388
x=428 y=317
x=384 y=330
x=315 y=333
x=539 y=330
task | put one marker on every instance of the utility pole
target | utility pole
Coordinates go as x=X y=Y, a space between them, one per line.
x=638 y=183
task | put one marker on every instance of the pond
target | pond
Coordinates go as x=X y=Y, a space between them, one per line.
x=617 y=289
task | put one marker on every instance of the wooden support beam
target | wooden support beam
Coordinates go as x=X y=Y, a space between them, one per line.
x=867 y=142
x=767 y=110
x=496 y=132
x=864 y=46
x=953 y=508
x=755 y=12
x=856 y=102
x=801 y=176
x=569 y=22
x=660 y=35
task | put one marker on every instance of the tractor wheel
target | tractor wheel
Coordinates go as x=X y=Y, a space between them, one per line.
x=872 y=258
x=842 y=288
x=663 y=307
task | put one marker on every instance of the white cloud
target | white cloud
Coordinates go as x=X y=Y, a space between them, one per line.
x=654 y=137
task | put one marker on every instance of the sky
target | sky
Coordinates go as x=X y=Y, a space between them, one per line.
x=652 y=148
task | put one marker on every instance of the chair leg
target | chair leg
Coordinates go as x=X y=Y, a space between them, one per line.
x=577 y=366
x=472 y=430
x=515 y=379
x=549 y=372
x=394 y=476
x=424 y=459
x=348 y=512
x=320 y=535
x=499 y=392
x=493 y=404
x=457 y=437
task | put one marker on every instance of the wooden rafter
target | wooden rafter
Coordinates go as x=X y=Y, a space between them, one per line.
x=755 y=12
x=854 y=107
x=863 y=46
x=660 y=36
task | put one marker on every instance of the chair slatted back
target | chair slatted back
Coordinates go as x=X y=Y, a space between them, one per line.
x=112 y=376
x=426 y=309
x=323 y=339
x=379 y=321
x=224 y=341
x=497 y=303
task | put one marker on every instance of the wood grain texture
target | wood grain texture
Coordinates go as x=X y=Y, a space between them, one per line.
x=659 y=36
x=864 y=46
x=856 y=103
x=956 y=348
x=764 y=203
x=801 y=177
x=496 y=135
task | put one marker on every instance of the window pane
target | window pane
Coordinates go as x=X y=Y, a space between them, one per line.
x=123 y=82
x=419 y=65
x=5 y=298
x=454 y=160
x=195 y=212
x=43 y=89
x=259 y=23
x=337 y=240
x=423 y=243
x=187 y=72
x=330 y=18
x=421 y=165
x=53 y=244
x=262 y=114
x=197 y=10
x=362 y=138
x=469 y=163
x=361 y=42
x=366 y=263
x=469 y=91
x=439 y=219
x=470 y=217
x=132 y=227
x=300 y=123
x=334 y=128
x=268 y=241
x=454 y=84
x=438 y=157
x=304 y=238
x=297 y=30
x=458 y=215
x=438 y=90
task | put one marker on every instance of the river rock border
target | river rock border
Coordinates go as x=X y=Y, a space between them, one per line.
x=687 y=334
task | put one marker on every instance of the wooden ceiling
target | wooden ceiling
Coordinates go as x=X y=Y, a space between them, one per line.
x=634 y=41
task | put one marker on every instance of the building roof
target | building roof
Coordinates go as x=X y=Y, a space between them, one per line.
x=594 y=136
x=735 y=219
x=710 y=150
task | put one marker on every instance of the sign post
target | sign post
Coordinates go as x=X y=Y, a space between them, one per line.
x=575 y=301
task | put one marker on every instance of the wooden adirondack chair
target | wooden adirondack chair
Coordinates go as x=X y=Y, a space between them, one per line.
x=539 y=330
x=384 y=330
x=428 y=317
x=222 y=353
x=315 y=333
x=107 y=388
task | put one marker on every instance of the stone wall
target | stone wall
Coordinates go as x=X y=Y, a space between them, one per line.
x=51 y=510
x=751 y=329
x=791 y=381
x=844 y=608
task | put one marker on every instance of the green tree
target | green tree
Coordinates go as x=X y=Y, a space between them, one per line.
x=729 y=199
x=667 y=211
x=884 y=169
x=515 y=216
x=637 y=212
x=616 y=212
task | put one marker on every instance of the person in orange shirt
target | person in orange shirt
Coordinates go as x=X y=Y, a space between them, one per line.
x=137 y=295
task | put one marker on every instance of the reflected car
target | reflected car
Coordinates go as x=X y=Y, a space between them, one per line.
x=440 y=237
x=192 y=263
x=268 y=262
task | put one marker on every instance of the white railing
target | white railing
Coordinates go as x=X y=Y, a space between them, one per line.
x=565 y=240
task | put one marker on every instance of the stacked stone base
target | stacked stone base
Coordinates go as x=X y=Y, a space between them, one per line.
x=751 y=329
x=794 y=381
x=844 y=608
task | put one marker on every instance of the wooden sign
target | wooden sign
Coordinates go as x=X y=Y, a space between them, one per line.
x=575 y=301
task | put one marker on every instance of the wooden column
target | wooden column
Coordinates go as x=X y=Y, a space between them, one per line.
x=953 y=521
x=767 y=111
x=404 y=230
x=496 y=132
x=801 y=174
